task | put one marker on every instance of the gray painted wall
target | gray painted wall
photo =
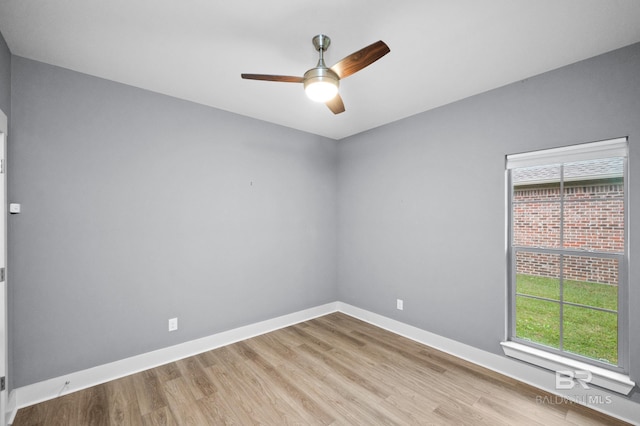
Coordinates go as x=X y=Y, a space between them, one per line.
x=138 y=207
x=422 y=201
x=5 y=77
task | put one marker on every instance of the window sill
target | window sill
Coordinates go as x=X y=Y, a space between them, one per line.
x=601 y=377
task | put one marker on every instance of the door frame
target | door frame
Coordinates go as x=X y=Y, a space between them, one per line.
x=3 y=264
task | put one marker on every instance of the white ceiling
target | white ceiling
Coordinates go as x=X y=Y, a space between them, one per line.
x=441 y=50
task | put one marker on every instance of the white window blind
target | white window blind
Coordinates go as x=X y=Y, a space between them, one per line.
x=588 y=151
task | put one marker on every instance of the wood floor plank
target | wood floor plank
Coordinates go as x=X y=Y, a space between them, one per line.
x=166 y=372
x=288 y=409
x=503 y=412
x=390 y=370
x=227 y=405
x=63 y=411
x=32 y=416
x=399 y=353
x=336 y=396
x=216 y=411
x=149 y=392
x=410 y=388
x=462 y=414
x=206 y=359
x=276 y=350
x=290 y=389
x=123 y=403
x=335 y=333
x=330 y=370
x=510 y=396
x=258 y=388
x=299 y=332
x=581 y=418
x=159 y=417
x=333 y=391
x=357 y=379
x=93 y=407
x=182 y=402
x=191 y=370
x=240 y=407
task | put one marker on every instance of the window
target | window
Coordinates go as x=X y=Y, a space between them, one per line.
x=567 y=252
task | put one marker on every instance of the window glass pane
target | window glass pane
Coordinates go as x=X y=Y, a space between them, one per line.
x=537 y=178
x=594 y=205
x=537 y=274
x=536 y=206
x=536 y=224
x=601 y=169
x=538 y=321
x=591 y=333
x=591 y=224
x=591 y=281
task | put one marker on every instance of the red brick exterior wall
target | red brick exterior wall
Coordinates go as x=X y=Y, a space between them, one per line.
x=593 y=220
x=590 y=269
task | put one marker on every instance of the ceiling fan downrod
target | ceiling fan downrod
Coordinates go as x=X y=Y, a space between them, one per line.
x=321 y=42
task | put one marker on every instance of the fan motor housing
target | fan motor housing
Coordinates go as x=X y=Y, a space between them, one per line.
x=320 y=74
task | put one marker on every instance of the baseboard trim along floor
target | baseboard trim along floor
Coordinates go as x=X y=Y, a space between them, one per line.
x=52 y=388
x=598 y=399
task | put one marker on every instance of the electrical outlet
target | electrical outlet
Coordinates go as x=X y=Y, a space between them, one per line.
x=399 y=304
x=173 y=324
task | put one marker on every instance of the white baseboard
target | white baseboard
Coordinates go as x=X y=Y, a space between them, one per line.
x=52 y=388
x=10 y=410
x=612 y=404
x=609 y=403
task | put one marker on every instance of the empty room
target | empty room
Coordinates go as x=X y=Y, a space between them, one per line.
x=345 y=212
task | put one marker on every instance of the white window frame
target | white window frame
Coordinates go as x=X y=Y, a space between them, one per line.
x=613 y=378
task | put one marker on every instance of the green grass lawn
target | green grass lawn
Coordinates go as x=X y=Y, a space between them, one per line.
x=587 y=332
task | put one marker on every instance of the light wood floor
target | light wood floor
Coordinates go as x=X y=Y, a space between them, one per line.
x=330 y=370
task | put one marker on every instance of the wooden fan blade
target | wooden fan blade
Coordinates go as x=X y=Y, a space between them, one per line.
x=336 y=105
x=360 y=59
x=268 y=77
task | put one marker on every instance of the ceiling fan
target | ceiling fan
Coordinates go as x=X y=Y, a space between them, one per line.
x=321 y=82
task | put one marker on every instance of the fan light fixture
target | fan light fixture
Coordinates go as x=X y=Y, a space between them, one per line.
x=321 y=84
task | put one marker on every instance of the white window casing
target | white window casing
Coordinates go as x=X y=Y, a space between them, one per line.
x=614 y=379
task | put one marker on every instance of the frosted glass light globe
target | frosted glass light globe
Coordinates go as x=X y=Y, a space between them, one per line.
x=321 y=84
x=321 y=91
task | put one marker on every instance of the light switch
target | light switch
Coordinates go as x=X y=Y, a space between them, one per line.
x=14 y=208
